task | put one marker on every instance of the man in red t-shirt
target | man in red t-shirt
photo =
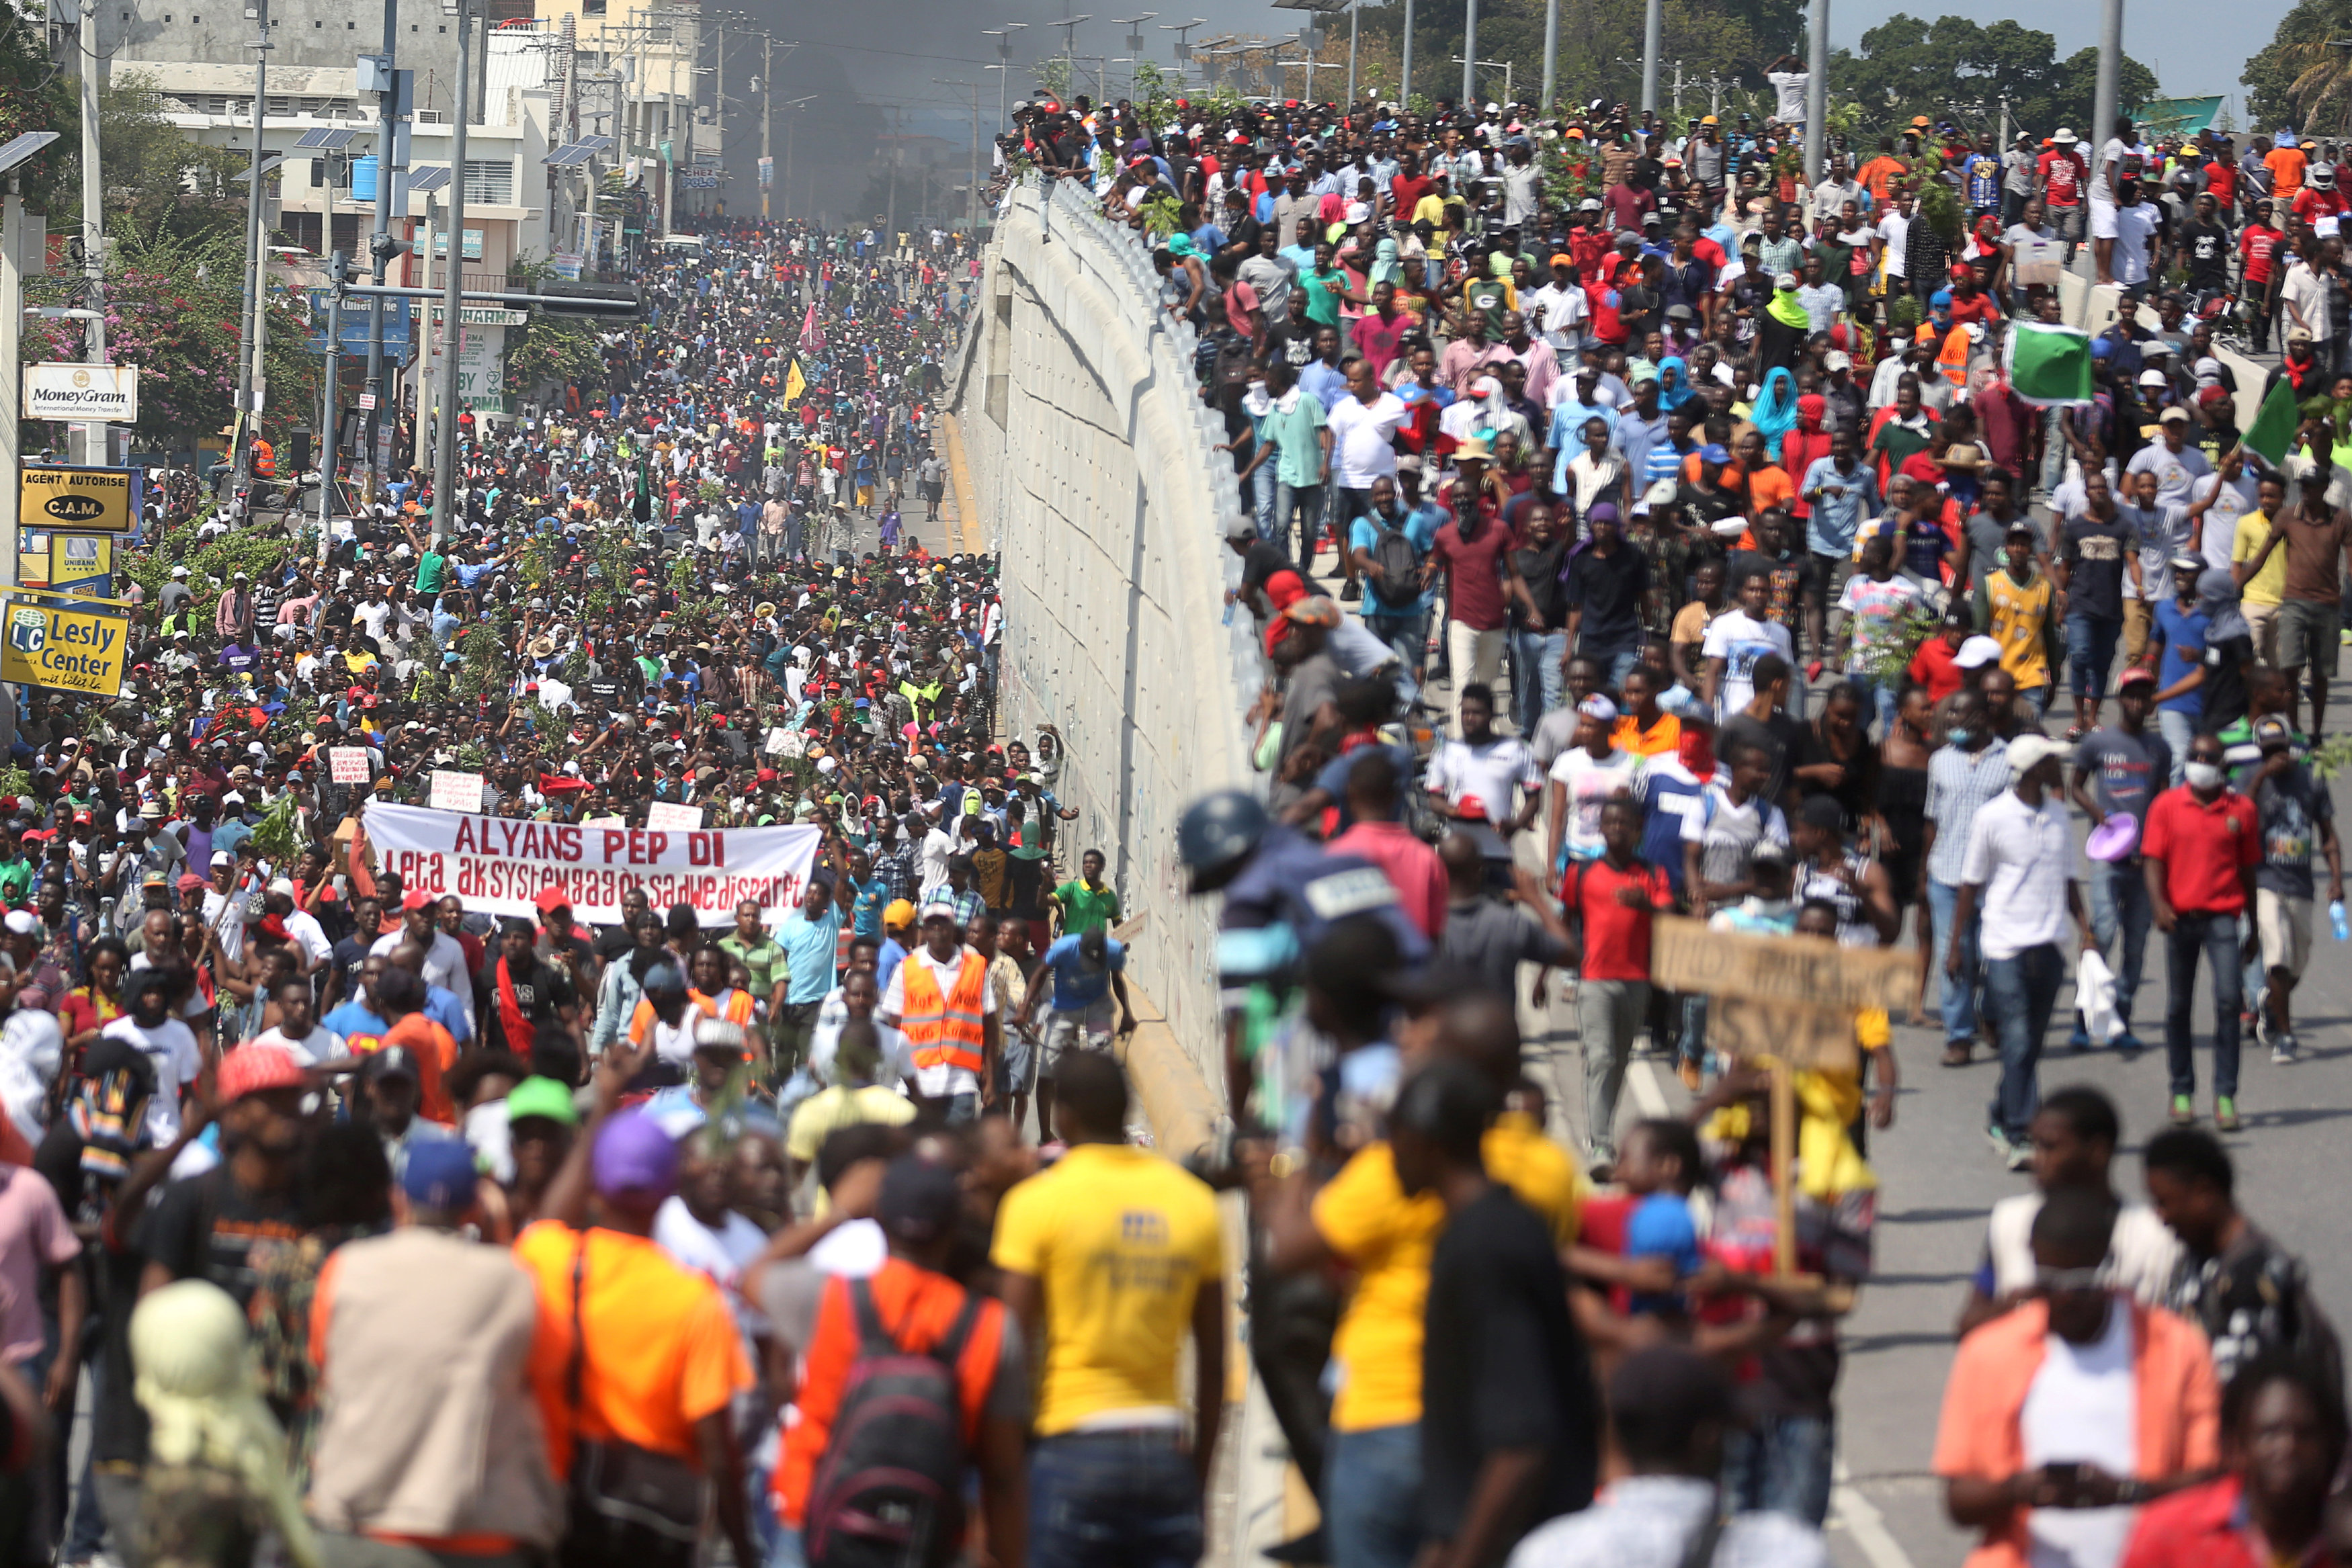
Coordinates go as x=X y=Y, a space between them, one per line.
x=2199 y=848
x=1467 y=551
x=2258 y=249
x=1409 y=186
x=2059 y=176
x=1610 y=903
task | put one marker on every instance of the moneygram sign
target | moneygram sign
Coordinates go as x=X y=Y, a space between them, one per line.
x=65 y=650
x=106 y=394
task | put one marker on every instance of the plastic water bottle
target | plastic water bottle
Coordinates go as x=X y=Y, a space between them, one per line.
x=2336 y=919
x=1229 y=611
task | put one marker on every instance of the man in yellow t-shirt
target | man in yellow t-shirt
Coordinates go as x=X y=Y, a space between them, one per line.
x=2259 y=595
x=1362 y=1217
x=1110 y=1256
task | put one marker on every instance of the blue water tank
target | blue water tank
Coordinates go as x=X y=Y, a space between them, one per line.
x=364 y=178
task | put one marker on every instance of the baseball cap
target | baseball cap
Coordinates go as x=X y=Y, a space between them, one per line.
x=1976 y=652
x=1715 y=452
x=2029 y=751
x=391 y=1062
x=1838 y=359
x=439 y=1175
x=921 y=1199
x=897 y=912
x=2136 y=675
x=417 y=898
x=551 y=899
x=2173 y=414
x=940 y=907
x=252 y=1069
x=542 y=1097
x=2271 y=730
x=635 y=1158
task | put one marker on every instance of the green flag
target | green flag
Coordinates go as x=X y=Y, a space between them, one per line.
x=2049 y=367
x=2273 y=432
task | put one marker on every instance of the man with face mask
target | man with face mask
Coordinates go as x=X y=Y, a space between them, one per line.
x=2202 y=843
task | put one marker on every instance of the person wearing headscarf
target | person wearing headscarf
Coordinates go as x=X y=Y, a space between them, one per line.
x=1775 y=413
x=1781 y=331
x=215 y=1481
x=1386 y=267
x=1675 y=387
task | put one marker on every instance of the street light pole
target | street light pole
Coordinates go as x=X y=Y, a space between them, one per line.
x=388 y=153
x=444 y=434
x=1470 y=54
x=1817 y=91
x=95 y=445
x=1551 y=52
x=766 y=116
x=251 y=386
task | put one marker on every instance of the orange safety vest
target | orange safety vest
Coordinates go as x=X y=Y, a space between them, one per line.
x=265 y=460
x=945 y=1030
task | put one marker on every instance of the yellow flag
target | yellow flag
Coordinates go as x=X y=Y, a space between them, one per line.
x=795 y=383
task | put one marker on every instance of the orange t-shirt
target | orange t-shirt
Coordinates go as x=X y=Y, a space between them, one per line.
x=435 y=1050
x=916 y=1307
x=663 y=1351
x=1769 y=487
x=2285 y=164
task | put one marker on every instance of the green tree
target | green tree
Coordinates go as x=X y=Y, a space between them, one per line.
x=2298 y=79
x=1711 y=40
x=156 y=179
x=1959 y=69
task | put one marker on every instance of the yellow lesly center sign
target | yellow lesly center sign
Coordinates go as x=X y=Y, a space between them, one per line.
x=65 y=650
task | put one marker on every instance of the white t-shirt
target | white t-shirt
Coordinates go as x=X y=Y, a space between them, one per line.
x=2134 y=227
x=1361 y=439
x=2112 y=153
x=1788 y=95
x=320 y=1045
x=1590 y=784
x=938 y=848
x=1739 y=639
x=721 y=1253
x=1894 y=228
x=171 y=1049
x=2082 y=1408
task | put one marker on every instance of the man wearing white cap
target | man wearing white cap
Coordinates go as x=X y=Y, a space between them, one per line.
x=2017 y=876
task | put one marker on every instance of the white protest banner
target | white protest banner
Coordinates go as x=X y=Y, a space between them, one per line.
x=499 y=866
x=347 y=764
x=669 y=814
x=457 y=791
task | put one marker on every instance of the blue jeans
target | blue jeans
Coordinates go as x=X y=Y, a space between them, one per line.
x=1372 y=1498
x=2119 y=904
x=1616 y=658
x=1780 y=1465
x=1407 y=637
x=1306 y=500
x=2020 y=991
x=2090 y=649
x=1113 y=1499
x=2216 y=937
x=1538 y=679
x=2179 y=729
x=1959 y=1005
x=1260 y=498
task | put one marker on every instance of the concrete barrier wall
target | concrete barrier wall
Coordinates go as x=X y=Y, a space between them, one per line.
x=1094 y=478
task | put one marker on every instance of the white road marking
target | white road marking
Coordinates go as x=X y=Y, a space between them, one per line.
x=1865 y=1522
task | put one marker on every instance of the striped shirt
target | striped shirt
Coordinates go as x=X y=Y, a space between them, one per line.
x=1957 y=784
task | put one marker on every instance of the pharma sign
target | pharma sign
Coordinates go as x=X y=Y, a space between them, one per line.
x=104 y=394
x=88 y=500
x=499 y=865
x=64 y=649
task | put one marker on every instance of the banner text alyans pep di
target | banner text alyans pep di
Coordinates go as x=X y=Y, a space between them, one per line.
x=499 y=866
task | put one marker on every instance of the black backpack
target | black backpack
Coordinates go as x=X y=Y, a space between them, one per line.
x=1396 y=566
x=888 y=1492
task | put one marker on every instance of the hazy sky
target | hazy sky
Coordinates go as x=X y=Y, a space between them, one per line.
x=2177 y=38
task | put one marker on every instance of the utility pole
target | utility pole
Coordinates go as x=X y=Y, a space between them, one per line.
x=1551 y=52
x=768 y=116
x=1679 y=93
x=1470 y=55
x=1355 y=16
x=444 y=434
x=251 y=384
x=2105 y=103
x=95 y=444
x=719 y=103
x=1654 y=29
x=1405 y=67
x=1817 y=90
x=390 y=152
